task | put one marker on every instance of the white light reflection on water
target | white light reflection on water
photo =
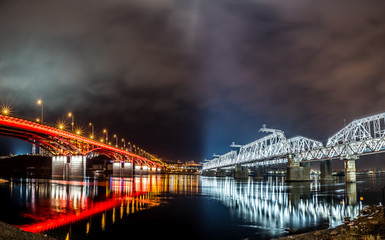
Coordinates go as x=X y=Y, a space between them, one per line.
x=278 y=205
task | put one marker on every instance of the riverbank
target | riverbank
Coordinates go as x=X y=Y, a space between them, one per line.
x=8 y=232
x=369 y=225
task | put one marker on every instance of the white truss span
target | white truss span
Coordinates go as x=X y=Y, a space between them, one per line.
x=271 y=149
x=360 y=137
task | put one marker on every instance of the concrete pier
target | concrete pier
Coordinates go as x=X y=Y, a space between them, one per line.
x=258 y=172
x=67 y=167
x=326 y=170
x=240 y=172
x=120 y=169
x=298 y=172
x=208 y=173
x=221 y=172
x=350 y=169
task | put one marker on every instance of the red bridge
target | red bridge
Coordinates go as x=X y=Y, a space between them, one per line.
x=62 y=143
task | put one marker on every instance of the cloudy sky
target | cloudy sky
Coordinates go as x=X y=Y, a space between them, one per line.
x=185 y=78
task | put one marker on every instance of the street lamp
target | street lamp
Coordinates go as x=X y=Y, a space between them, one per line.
x=40 y=102
x=106 y=132
x=92 y=130
x=115 y=136
x=73 y=120
x=124 y=144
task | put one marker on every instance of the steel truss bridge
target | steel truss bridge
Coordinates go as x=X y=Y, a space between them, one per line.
x=362 y=136
x=62 y=143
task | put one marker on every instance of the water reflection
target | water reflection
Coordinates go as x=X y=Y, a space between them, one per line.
x=276 y=205
x=50 y=204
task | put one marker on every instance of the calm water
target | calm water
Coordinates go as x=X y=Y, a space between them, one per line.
x=182 y=207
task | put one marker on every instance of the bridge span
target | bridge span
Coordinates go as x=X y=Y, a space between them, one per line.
x=362 y=136
x=70 y=150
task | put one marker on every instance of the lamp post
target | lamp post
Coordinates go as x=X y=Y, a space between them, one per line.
x=92 y=130
x=106 y=132
x=70 y=114
x=116 y=136
x=40 y=102
x=124 y=144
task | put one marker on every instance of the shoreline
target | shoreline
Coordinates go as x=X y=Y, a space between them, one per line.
x=8 y=231
x=370 y=224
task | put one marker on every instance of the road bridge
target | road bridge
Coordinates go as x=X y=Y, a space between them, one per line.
x=70 y=150
x=362 y=136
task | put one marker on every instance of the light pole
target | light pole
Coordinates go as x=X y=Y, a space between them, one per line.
x=92 y=130
x=40 y=102
x=106 y=132
x=116 y=136
x=73 y=120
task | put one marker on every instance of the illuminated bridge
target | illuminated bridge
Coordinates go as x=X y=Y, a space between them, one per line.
x=360 y=137
x=70 y=150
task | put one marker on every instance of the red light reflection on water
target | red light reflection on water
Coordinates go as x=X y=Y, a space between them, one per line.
x=122 y=191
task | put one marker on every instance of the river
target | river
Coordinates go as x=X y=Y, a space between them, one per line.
x=183 y=206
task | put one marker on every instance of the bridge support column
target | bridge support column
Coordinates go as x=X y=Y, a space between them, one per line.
x=122 y=169
x=64 y=167
x=208 y=173
x=138 y=170
x=221 y=172
x=258 y=172
x=326 y=170
x=350 y=169
x=240 y=172
x=144 y=170
x=297 y=172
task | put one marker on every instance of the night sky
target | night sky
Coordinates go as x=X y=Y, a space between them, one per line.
x=185 y=78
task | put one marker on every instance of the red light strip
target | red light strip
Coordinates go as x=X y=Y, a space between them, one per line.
x=51 y=131
x=64 y=220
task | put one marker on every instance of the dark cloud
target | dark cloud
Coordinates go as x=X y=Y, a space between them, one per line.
x=185 y=78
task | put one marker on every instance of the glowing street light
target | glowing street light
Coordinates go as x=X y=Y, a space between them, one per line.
x=5 y=110
x=73 y=120
x=40 y=102
x=116 y=136
x=106 y=132
x=124 y=144
x=92 y=130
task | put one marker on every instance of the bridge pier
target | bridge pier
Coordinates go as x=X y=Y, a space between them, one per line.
x=240 y=172
x=122 y=169
x=258 y=172
x=221 y=172
x=208 y=173
x=297 y=172
x=326 y=170
x=65 y=167
x=350 y=169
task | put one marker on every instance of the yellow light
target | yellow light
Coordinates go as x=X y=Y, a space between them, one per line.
x=70 y=114
x=104 y=130
x=39 y=102
x=37 y=119
x=6 y=109
x=101 y=140
x=114 y=135
x=92 y=136
x=361 y=198
x=61 y=126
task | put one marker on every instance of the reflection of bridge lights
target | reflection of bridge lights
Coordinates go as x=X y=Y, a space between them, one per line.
x=274 y=205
